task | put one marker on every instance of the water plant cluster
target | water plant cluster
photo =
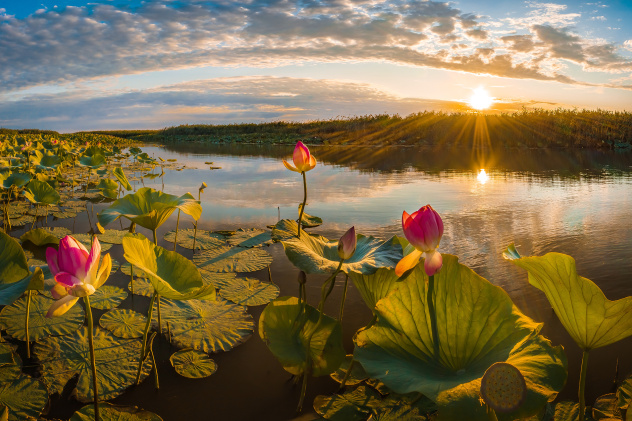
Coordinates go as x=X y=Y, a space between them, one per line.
x=443 y=343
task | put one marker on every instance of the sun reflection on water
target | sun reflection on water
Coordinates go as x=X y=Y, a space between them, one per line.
x=482 y=176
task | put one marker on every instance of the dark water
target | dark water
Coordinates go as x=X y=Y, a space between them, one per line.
x=574 y=202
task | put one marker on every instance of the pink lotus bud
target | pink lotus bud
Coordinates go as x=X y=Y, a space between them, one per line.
x=303 y=160
x=347 y=244
x=423 y=229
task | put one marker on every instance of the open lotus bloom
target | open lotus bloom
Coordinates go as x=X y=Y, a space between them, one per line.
x=347 y=244
x=303 y=160
x=423 y=229
x=75 y=272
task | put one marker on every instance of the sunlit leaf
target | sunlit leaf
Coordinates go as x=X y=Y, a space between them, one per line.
x=376 y=286
x=92 y=162
x=141 y=286
x=624 y=394
x=606 y=408
x=192 y=363
x=13 y=266
x=232 y=259
x=357 y=375
x=120 y=176
x=309 y=221
x=39 y=237
x=41 y=193
x=112 y=236
x=252 y=237
x=107 y=297
x=25 y=397
x=249 y=291
x=204 y=240
x=109 y=412
x=354 y=405
x=127 y=324
x=17 y=179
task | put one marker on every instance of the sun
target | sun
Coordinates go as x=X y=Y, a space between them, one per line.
x=480 y=99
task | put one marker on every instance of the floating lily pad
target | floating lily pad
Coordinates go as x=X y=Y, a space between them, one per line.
x=126 y=268
x=309 y=221
x=86 y=240
x=76 y=204
x=354 y=405
x=25 y=397
x=23 y=220
x=232 y=259
x=127 y=324
x=217 y=279
x=12 y=319
x=208 y=326
x=141 y=286
x=112 y=236
x=107 y=297
x=39 y=237
x=357 y=375
x=59 y=232
x=606 y=408
x=109 y=412
x=64 y=357
x=253 y=237
x=204 y=240
x=624 y=394
x=287 y=337
x=286 y=229
x=193 y=364
x=65 y=213
x=249 y=291
x=42 y=210
x=11 y=367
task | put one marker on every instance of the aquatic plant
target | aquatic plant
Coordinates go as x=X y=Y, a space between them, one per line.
x=303 y=161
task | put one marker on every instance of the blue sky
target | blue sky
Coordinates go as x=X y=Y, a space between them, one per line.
x=78 y=65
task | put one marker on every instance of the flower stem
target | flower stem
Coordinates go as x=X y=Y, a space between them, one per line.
x=300 y=214
x=582 y=385
x=175 y=240
x=158 y=296
x=344 y=297
x=144 y=345
x=95 y=387
x=26 y=324
x=433 y=317
x=491 y=414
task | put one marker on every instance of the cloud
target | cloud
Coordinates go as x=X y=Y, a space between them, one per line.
x=544 y=14
x=628 y=44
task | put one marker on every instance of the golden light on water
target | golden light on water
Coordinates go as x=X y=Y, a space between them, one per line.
x=480 y=99
x=482 y=176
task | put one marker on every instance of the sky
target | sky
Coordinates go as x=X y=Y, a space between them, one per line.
x=110 y=64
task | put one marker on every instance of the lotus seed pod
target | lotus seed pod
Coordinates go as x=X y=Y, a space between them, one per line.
x=503 y=387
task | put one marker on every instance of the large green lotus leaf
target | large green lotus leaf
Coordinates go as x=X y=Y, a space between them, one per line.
x=249 y=291
x=287 y=339
x=25 y=397
x=316 y=254
x=45 y=161
x=150 y=208
x=109 y=412
x=120 y=176
x=108 y=188
x=252 y=237
x=107 y=297
x=13 y=265
x=126 y=268
x=204 y=240
x=589 y=317
x=112 y=236
x=477 y=325
x=172 y=275
x=92 y=162
x=376 y=286
x=232 y=259
x=12 y=319
x=127 y=324
x=63 y=357
x=209 y=326
x=41 y=193
x=17 y=179
x=354 y=405
x=286 y=229
x=624 y=394
x=193 y=364
x=309 y=221
x=39 y=237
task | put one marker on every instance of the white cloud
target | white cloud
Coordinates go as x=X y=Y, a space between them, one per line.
x=627 y=44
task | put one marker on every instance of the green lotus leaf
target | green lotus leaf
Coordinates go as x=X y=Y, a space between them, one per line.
x=86 y=240
x=193 y=364
x=25 y=397
x=410 y=407
x=43 y=210
x=63 y=357
x=112 y=236
x=141 y=286
x=107 y=297
x=478 y=325
x=127 y=324
x=357 y=375
x=286 y=229
x=39 y=237
x=108 y=188
x=21 y=221
x=41 y=193
x=92 y=162
x=109 y=412
x=564 y=411
x=11 y=363
x=232 y=259
x=209 y=326
x=65 y=213
x=150 y=208
x=126 y=268
x=45 y=161
x=172 y=275
x=59 y=232
x=249 y=291
x=17 y=179
x=605 y=407
x=120 y=176
x=217 y=279
x=13 y=265
x=589 y=317
x=80 y=204
x=204 y=240
x=354 y=405
x=253 y=237
x=376 y=286
x=12 y=319
x=309 y=221
x=624 y=394
x=316 y=254
x=287 y=338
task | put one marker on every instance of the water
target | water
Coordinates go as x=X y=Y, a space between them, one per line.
x=573 y=202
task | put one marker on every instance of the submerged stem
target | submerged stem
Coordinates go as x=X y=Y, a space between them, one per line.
x=433 y=316
x=26 y=324
x=300 y=214
x=95 y=387
x=144 y=345
x=582 y=385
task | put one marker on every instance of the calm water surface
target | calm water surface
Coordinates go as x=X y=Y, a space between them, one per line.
x=573 y=202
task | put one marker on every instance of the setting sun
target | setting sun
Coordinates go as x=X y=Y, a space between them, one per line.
x=480 y=99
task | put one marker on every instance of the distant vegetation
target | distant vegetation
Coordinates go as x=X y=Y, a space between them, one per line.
x=530 y=128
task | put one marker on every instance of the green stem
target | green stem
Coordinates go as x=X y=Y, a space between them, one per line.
x=433 y=317
x=582 y=385
x=158 y=296
x=26 y=324
x=175 y=241
x=144 y=345
x=95 y=387
x=347 y=374
x=491 y=414
x=344 y=297
x=300 y=215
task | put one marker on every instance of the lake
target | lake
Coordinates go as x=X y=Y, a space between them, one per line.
x=574 y=202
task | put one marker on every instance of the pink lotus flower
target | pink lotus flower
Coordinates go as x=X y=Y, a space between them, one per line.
x=75 y=272
x=303 y=160
x=347 y=244
x=423 y=229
